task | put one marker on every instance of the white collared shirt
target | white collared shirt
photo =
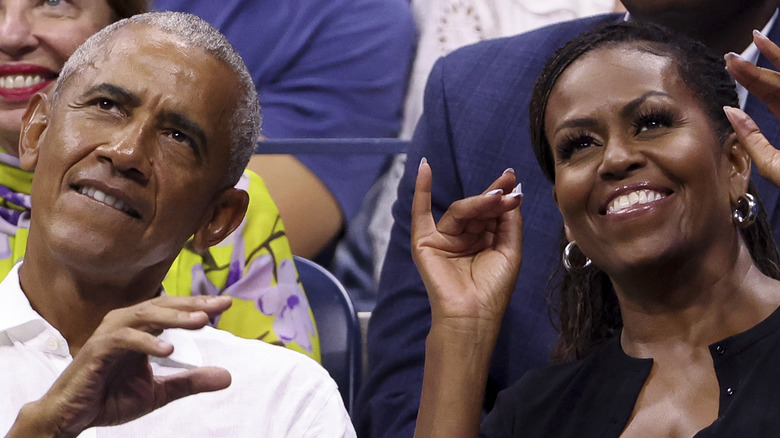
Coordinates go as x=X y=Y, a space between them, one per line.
x=275 y=392
x=751 y=54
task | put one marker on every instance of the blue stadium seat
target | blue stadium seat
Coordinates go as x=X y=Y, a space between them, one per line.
x=337 y=325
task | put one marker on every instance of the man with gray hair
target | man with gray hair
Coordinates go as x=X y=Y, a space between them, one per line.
x=152 y=121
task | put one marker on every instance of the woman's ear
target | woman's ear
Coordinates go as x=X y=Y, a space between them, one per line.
x=34 y=123
x=740 y=165
x=224 y=216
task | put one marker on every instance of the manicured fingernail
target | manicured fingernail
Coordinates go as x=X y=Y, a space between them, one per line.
x=423 y=160
x=757 y=33
x=729 y=111
x=517 y=192
x=508 y=170
x=730 y=55
x=494 y=192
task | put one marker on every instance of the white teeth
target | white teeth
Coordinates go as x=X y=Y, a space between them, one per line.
x=104 y=198
x=100 y=196
x=20 y=81
x=637 y=197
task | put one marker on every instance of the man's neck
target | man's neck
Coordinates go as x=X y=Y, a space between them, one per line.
x=75 y=302
x=721 y=31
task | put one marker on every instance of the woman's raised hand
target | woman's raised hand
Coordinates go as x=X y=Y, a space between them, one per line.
x=470 y=259
x=764 y=84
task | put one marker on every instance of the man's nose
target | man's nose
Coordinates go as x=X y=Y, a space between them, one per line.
x=130 y=153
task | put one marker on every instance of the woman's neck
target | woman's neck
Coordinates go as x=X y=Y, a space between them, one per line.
x=696 y=305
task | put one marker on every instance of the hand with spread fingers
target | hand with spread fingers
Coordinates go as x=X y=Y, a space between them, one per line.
x=469 y=260
x=764 y=84
x=113 y=367
x=469 y=263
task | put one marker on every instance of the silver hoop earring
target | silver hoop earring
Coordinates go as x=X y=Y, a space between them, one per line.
x=746 y=211
x=567 y=259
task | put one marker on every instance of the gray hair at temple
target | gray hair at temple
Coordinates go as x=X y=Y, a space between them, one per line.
x=193 y=32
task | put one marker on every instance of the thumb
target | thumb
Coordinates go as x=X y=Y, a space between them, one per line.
x=422 y=219
x=763 y=154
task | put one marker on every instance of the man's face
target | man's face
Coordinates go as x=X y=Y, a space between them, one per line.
x=127 y=165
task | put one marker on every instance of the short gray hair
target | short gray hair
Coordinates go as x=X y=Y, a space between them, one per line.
x=193 y=32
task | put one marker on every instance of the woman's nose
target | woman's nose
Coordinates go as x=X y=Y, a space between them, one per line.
x=16 y=29
x=620 y=158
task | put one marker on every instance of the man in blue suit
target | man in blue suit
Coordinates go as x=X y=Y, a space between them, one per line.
x=475 y=125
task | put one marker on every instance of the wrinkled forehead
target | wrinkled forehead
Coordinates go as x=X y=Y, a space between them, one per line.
x=150 y=61
x=165 y=76
x=139 y=45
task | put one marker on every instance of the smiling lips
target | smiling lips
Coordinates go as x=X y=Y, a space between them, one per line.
x=624 y=203
x=108 y=200
x=21 y=82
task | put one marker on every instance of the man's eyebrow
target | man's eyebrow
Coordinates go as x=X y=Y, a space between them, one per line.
x=115 y=92
x=187 y=125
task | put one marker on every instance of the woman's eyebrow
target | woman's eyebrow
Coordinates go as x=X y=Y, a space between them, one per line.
x=634 y=104
x=581 y=122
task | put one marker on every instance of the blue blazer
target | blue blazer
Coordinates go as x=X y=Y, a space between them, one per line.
x=475 y=125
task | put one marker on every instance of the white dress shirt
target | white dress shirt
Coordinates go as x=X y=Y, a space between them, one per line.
x=275 y=392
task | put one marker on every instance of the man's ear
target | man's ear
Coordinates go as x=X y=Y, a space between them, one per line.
x=225 y=215
x=739 y=174
x=34 y=123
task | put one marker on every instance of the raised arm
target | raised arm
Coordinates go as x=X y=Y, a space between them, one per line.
x=110 y=381
x=764 y=84
x=469 y=263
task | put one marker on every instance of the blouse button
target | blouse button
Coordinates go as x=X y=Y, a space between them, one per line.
x=719 y=349
x=729 y=391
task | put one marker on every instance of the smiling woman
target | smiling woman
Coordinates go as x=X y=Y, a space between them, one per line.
x=668 y=315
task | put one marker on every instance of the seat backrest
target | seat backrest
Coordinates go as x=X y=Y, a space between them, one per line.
x=337 y=325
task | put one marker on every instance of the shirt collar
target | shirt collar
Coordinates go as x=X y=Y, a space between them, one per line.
x=15 y=308
x=20 y=321
x=751 y=53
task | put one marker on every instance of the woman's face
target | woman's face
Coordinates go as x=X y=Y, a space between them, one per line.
x=36 y=38
x=640 y=175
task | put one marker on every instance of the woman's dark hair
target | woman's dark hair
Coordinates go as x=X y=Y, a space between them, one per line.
x=128 y=8
x=585 y=301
